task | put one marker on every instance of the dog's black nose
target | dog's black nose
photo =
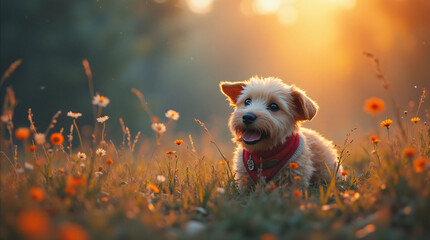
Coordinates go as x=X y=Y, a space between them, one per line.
x=248 y=118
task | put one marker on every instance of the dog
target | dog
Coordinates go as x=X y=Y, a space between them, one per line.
x=271 y=144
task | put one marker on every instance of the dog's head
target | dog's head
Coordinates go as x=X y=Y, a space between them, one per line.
x=266 y=111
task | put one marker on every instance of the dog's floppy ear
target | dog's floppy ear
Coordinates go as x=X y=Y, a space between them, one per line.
x=232 y=90
x=306 y=109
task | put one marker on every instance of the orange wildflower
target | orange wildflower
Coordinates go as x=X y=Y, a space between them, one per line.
x=153 y=188
x=104 y=199
x=37 y=194
x=75 y=181
x=420 y=164
x=22 y=133
x=57 y=138
x=72 y=231
x=170 y=152
x=109 y=161
x=374 y=106
x=268 y=188
x=70 y=191
x=386 y=123
x=179 y=142
x=297 y=177
x=297 y=193
x=100 y=168
x=31 y=148
x=374 y=139
x=415 y=119
x=222 y=163
x=294 y=165
x=34 y=224
x=344 y=173
x=268 y=236
x=244 y=179
x=61 y=170
x=272 y=185
x=409 y=152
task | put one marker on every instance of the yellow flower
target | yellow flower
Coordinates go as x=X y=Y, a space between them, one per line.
x=159 y=127
x=172 y=115
x=179 y=142
x=344 y=173
x=386 y=123
x=100 y=101
x=415 y=119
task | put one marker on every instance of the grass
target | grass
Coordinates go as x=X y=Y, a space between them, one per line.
x=178 y=191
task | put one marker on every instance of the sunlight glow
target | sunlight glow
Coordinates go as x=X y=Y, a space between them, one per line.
x=347 y=4
x=288 y=15
x=266 y=6
x=200 y=6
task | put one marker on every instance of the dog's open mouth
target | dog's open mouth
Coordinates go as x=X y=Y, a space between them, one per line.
x=251 y=137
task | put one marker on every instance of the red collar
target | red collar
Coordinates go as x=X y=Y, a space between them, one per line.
x=268 y=163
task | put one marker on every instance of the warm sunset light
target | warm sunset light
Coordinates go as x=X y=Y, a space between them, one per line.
x=215 y=119
x=288 y=15
x=266 y=6
x=347 y=4
x=200 y=6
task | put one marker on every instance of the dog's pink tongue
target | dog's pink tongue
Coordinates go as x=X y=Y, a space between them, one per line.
x=251 y=136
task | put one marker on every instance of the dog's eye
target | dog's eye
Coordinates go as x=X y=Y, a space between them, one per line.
x=248 y=101
x=273 y=107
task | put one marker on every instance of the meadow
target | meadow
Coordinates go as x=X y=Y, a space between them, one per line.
x=57 y=184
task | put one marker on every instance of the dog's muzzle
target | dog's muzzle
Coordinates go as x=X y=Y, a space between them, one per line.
x=248 y=118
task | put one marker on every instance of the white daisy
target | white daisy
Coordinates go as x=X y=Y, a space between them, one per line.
x=40 y=138
x=101 y=101
x=159 y=127
x=74 y=115
x=161 y=178
x=81 y=156
x=102 y=119
x=220 y=190
x=101 y=152
x=172 y=114
x=98 y=174
x=28 y=166
x=82 y=165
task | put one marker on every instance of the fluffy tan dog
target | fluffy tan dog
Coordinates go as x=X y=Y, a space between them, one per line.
x=271 y=145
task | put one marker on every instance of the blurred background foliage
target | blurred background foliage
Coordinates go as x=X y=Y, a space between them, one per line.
x=177 y=51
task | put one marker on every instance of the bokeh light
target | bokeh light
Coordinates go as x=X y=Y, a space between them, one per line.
x=200 y=6
x=266 y=6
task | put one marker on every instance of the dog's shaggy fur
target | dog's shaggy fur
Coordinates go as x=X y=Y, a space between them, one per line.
x=275 y=127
